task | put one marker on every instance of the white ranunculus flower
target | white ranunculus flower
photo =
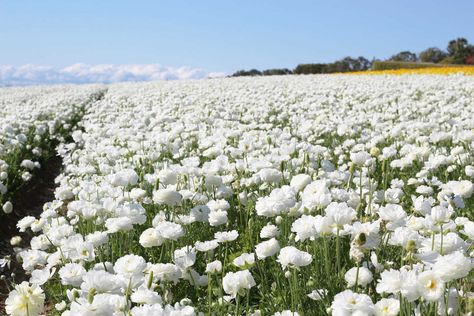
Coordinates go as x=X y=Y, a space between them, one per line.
x=293 y=257
x=430 y=286
x=167 y=197
x=25 y=300
x=124 y=178
x=214 y=267
x=235 y=283
x=387 y=307
x=362 y=278
x=169 y=230
x=71 y=274
x=130 y=265
x=300 y=181
x=150 y=238
x=267 y=248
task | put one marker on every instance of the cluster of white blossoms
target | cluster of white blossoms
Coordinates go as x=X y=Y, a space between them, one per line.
x=32 y=121
x=293 y=195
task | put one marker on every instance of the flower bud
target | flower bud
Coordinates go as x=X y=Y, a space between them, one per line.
x=7 y=207
x=150 y=280
x=90 y=295
x=360 y=239
x=411 y=246
x=352 y=168
x=374 y=151
x=15 y=240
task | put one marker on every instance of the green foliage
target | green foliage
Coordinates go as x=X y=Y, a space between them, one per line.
x=460 y=50
x=246 y=73
x=392 y=65
x=277 y=71
x=432 y=55
x=404 y=56
x=346 y=64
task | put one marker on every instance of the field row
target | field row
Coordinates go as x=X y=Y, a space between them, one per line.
x=304 y=195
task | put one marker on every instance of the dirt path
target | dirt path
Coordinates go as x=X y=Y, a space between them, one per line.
x=28 y=201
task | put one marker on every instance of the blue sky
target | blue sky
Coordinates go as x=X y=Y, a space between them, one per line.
x=223 y=36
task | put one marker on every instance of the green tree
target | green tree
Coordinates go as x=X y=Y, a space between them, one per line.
x=460 y=50
x=276 y=71
x=405 y=56
x=244 y=73
x=432 y=55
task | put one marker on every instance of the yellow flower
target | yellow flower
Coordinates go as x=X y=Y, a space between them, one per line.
x=466 y=70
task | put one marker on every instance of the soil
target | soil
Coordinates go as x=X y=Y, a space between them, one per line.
x=28 y=201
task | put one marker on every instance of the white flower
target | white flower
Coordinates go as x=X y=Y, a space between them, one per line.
x=25 y=223
x=360 y=158
x=150 y=238
x=316 y=194
x=25 y=300
x=137 y=194
x=124 y=177
x=143 y=295
x=269 y=231
x=184 y=257
x=395 y=281
x=41 y=276
x=279 y=201
x=97 y=238
x=270 y=175
x=393 y=214
x=206 y=245
x=339 y=214
x=300 y=181
x=167 y=197
x=245 y=259
x=165 y=272
x=286 y=313
x=469 y=230
x=469 y=171
x=60 y=306
x=439 y=215
x=452 y=266
x=214 y=267
x=317 y=295
x=71 y=274
x=293 y=257
x=350 y=303
x=463 y=188
x=118 y=224
x=234 y=283
x=130 y=265
x=305 y=228
x=224 y=237
x=387 y=307
x=169 y=230
x=430 y=286
x=267 y=248
x=217 y=218
x=31 y=258
x=167 y=177
x=362 y=278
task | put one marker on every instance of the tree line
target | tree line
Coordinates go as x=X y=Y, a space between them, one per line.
x=459 y=51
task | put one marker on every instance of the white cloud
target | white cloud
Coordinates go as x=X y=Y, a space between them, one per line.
x=104 y=73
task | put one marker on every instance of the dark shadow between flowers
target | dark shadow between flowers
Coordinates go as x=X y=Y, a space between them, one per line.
x=28 y=201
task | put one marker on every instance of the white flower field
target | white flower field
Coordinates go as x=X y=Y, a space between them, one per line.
x=286 y=195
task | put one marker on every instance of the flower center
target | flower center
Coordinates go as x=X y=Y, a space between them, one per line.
x=431 y=284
